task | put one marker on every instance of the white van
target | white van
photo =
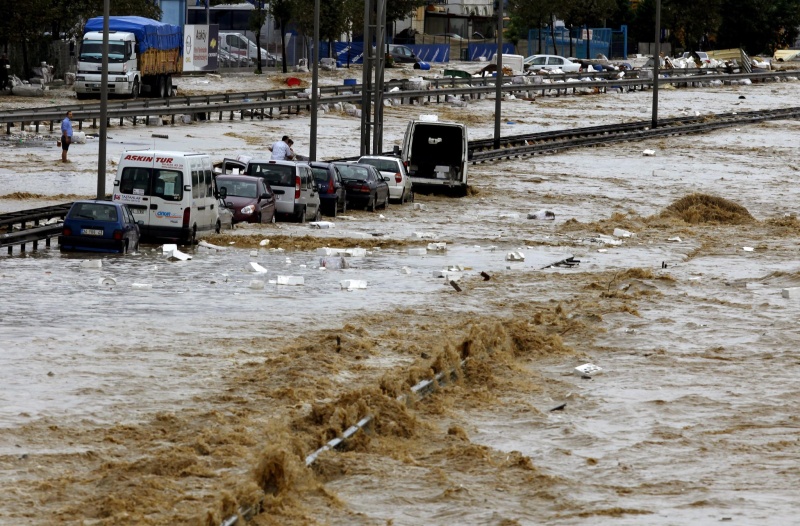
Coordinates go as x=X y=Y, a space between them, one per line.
x=436 y=153
x=173 y=193
x=239 y=45
x=513 y=62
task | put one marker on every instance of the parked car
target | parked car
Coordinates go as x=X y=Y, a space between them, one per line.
x=332 y=193
x=364 y=184
x=99 y=226
x=293 y=184
x=400 y=53
x=249 y=198
x=551 y=62
x=394 y=173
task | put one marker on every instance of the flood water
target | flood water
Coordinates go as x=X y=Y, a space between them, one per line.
x=692 y=421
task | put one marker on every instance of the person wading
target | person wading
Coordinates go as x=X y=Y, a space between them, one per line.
x=66 y=136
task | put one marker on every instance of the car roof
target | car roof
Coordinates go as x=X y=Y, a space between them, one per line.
x=98 y=201
x=382 y=157
x=237 y=177
x=272 y=161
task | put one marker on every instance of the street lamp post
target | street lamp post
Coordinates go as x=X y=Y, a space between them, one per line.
x=656 y=64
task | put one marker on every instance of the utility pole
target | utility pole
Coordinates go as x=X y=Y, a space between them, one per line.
x=312 y=152
x=101 y=152
x=656 y=65
x=498 y=98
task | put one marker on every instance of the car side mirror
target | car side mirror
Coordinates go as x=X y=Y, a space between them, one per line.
x=140 y=222
x=222 y=193
x=263 y=196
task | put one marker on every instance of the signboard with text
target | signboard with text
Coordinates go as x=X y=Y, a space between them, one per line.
x=200 y=48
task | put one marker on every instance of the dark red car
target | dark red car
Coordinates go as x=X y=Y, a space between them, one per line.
x=249 y=198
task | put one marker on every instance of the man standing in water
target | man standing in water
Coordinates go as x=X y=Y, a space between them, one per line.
x=66 y=136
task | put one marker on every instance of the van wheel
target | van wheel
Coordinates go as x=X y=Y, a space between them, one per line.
x=302 y=217
x=318 y=215
x=193 y=236
x=218 y=228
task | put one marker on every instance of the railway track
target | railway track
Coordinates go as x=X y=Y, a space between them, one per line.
x=263 y=104
x=483 y=150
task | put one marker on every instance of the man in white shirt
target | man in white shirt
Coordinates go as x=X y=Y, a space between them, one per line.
x=281 y=150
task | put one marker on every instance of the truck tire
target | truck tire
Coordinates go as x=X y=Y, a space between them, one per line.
x=168 y=82
x=161 y=87
x=136 y=89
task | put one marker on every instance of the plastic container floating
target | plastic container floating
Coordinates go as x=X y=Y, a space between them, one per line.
x=422 y=65
x=350 y=82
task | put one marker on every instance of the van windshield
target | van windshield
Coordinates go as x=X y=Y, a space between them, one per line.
x=274 y=174
x=138 y=180
x=92 y=51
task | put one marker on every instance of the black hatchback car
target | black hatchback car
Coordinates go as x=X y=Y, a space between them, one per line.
x=365 y=186
x=332 y=193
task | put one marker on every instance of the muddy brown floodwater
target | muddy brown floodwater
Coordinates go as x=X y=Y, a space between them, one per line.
x=181 y=395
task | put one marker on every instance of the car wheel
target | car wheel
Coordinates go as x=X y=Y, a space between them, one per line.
x=386 y=202
x=258 y=217
x=371 y=204
x=334 y=209
x=344 y=207
x=136 y=247
x=274 y=218
x=218 y=227
x=318 y=215
x=302 y=217
x=125 y=247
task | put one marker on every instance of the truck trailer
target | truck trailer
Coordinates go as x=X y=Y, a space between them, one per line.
x=143 y=54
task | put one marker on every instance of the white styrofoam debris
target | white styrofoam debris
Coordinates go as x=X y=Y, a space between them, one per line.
x=424 y=235
x=291 y=280
x=606 y=240
x=256 y=284
x=92 y=263
x=351 y=284
x=106 y=282
x=355 y=252
x=748 y=249
x=420 y=206
x=437 y=246
x=166 y=249
x=405 y=270
x=254 y=253
x=588 y=369
x=141 y=286
x=322 y=224
x=254 y=267
x=177 y=255
x=649 y=153
x=515 y=256
x=448 y=274
x=791 y=292
x=206 y=244
x=325 y=251
x=263 y=242
x=417 y=251
x=674 y=239
x=542 y=214
x=618 y=232
x=334 y=262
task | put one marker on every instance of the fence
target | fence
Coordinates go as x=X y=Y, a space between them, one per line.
x=575 y=42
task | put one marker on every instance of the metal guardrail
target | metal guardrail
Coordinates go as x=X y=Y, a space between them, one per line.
x=256 y=104
x=25 y=226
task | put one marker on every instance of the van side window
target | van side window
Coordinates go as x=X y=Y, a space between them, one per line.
x=168 y=184
x=135 y=180
x=209 y=183
x=195 y=184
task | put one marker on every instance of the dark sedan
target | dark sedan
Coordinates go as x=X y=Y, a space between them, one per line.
x=364 y=185
x=99 y=226
x=249 y=198
x=332 y=193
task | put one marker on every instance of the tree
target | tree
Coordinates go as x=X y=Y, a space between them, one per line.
x=256 y=21
x=281 y=11
x=758 y=25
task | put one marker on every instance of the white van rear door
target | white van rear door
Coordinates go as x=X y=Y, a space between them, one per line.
x=168 y=192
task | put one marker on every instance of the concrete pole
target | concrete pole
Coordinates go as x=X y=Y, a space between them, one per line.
x=380 y=58
x=366 y=79
x=656 y=65
x=499 y=84
x=312 y=152
x=101 y=154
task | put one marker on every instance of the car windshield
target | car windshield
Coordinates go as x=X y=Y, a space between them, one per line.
x=352 y=172
x=274 y=174
x=238 y=188
x=383 y=165
x=93 y=212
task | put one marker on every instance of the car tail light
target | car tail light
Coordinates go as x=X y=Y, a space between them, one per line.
x=186 y=216
x=297 y=187
x=331 y=187
x=361 y=188
x=67 y=231
x=117 y=235
x=398 y=178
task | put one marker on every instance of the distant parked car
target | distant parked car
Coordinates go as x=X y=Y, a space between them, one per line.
x=249 y=198
x=400 y=53
x=394 y=173
x=364 y=184
x=551 y=62
x=99 y=226
x=332 y=193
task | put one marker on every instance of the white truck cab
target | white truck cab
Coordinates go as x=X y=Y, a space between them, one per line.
x=173 y=193
x=123 y=72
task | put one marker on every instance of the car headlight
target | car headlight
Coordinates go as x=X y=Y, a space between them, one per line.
x=249 y=209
